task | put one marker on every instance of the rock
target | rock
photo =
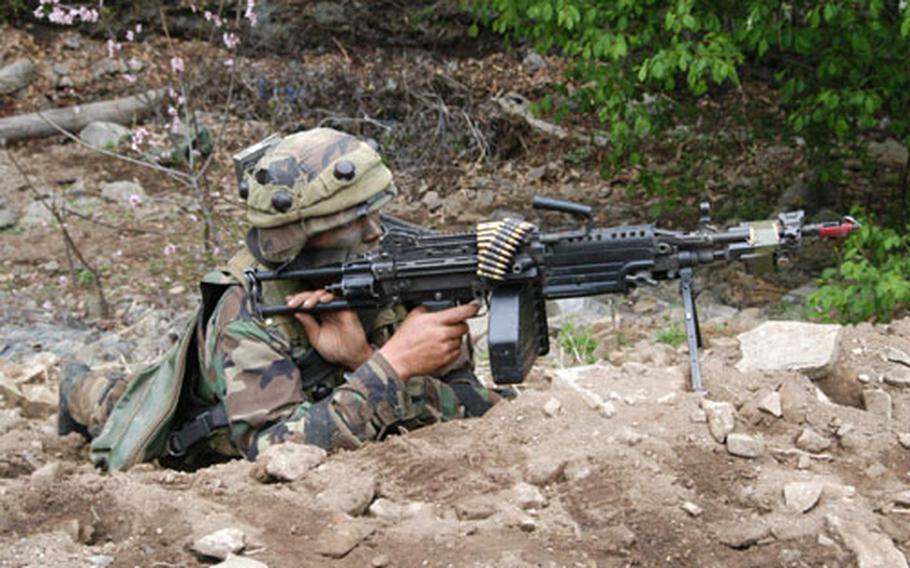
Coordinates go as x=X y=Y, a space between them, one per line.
x=352 y=496
x=10 y=419
x=616 y=540
x=811 y=441
x=717 y=313
x=108 y=66
x=551 y=407
x=721 y=418
x=799 y=295
x=895 y=355
x=220 y=544
x=431 y=200
x=629 y=437
x=800 y=195
x=71 y=41
x=691 y=508
x=902 y=499
x=61 y=69
x=607 y=409
x=871 y=548
x=807 y=348
x=37 y=214
x=10 y=392
x=771 y=404
x=537 y=172
x=698 y=416
x=385 y=509
x=744 y=446
x=544 y=469
x=476 y=508
x=287 y=461
x=877 y=402
x=8 y=218
x=903 y=438
x=890 y=152
x=899 y=377
x=104 y=134
x=240 y=562
x=526 y=496
x=741 y=535
x=533 y=62
x=876 y=470
x=380 y=561
x=801 y=496
x=47 y=475
x=135 y=64
x=123 y=192
x=16 y=75
x=581 y=310
x=341 y=537
x=100 y=560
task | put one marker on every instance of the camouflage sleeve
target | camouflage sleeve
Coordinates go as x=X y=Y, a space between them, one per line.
x=251 y=370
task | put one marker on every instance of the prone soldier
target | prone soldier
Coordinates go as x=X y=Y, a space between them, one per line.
x=237 y=383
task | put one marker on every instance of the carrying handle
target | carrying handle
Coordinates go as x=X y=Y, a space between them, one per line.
x=562 y=206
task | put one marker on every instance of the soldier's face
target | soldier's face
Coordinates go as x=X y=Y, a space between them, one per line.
x=361 y=234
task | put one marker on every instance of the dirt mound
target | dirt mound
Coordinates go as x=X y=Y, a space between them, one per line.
x=550 y=479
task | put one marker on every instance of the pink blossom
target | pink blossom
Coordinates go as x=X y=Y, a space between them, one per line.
x=193 y=218
x=229 y=62
x=250 y=14
x=135 y=200
x=113 y=47
x=171 y=92
x=138 y=28
x=130 y=78
x=130 y=36
x=48 y=305
x=172 y=111
x=138 y=138
x=169 y=249
x=230 y=40
x=177 y=64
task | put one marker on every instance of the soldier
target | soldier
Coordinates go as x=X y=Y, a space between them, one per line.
x=236 y=384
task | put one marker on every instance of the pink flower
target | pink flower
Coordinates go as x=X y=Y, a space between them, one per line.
x=138 y=28
x=48 y=305
x=169 y=249
x=130 y=78
x=130 y=36
x=229 y=62
x=113 y=47
x=176 y=64
x=135 y=200
x=230 y=40
x=249 y=14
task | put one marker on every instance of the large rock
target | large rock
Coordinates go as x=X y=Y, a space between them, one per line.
x=220 y=544
x=800 y=496
x=352 y=496
x=17 y=75
x=878 y=402
x=872 y=549
x=288 y=461
x=890 y=152
x=342 y=536
x=811 y=441
x=8 y=218
x=123 y=192
x=104 y=134
x=807 y=348
x=744 y=446
x=240 y=562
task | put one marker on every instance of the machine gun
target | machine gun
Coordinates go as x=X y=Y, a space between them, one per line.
x=514 y=267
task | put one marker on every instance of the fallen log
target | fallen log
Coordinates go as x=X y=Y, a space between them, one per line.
x=73 y=119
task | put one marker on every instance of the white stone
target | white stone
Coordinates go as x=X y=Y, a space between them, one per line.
x=871 y=549
x=352 y=496
x=903 y=438
x=801 y=496
x=744 y=446
x=771 y=404
x=551 y=407
x=691 y=508
x=526 y=496
x=902 y=499
x=104 y=134
x=878 y=402
x=721 y=418
x=16 y=75
x=123 y=192
x=240 y=562
x=289 y=461
x=898 y=377
x=629 y=437
x=221 y=543
x=811 y=441
x=807 y=348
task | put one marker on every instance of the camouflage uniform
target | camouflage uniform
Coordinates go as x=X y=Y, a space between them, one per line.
x=257 y=369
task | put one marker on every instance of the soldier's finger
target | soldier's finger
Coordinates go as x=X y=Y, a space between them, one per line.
x=458 y=313
x=297 y=299
x=457 y=330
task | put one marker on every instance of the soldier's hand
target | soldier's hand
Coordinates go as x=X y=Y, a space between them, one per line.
x=427 y=341
x=337 y=336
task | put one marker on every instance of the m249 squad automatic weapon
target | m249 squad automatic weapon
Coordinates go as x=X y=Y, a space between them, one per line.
x=514 y=267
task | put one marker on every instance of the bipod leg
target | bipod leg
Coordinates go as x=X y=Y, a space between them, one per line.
x=693 y=331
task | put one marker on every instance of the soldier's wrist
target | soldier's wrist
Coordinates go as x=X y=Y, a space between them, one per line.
x=395 y=363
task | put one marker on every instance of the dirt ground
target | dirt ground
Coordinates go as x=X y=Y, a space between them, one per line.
x=610 y=465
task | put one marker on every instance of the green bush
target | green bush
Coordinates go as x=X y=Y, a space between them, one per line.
x=579 y=342
x=872 y=281
x=12 y=10
x=838 y=65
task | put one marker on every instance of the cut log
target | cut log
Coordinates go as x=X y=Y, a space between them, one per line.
x=123 y=111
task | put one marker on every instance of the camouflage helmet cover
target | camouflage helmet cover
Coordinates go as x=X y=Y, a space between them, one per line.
x=312 y=181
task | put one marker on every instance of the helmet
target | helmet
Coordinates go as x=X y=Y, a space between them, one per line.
x=310 y=182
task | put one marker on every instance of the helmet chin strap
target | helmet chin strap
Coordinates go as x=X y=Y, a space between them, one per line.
x=319 y=257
